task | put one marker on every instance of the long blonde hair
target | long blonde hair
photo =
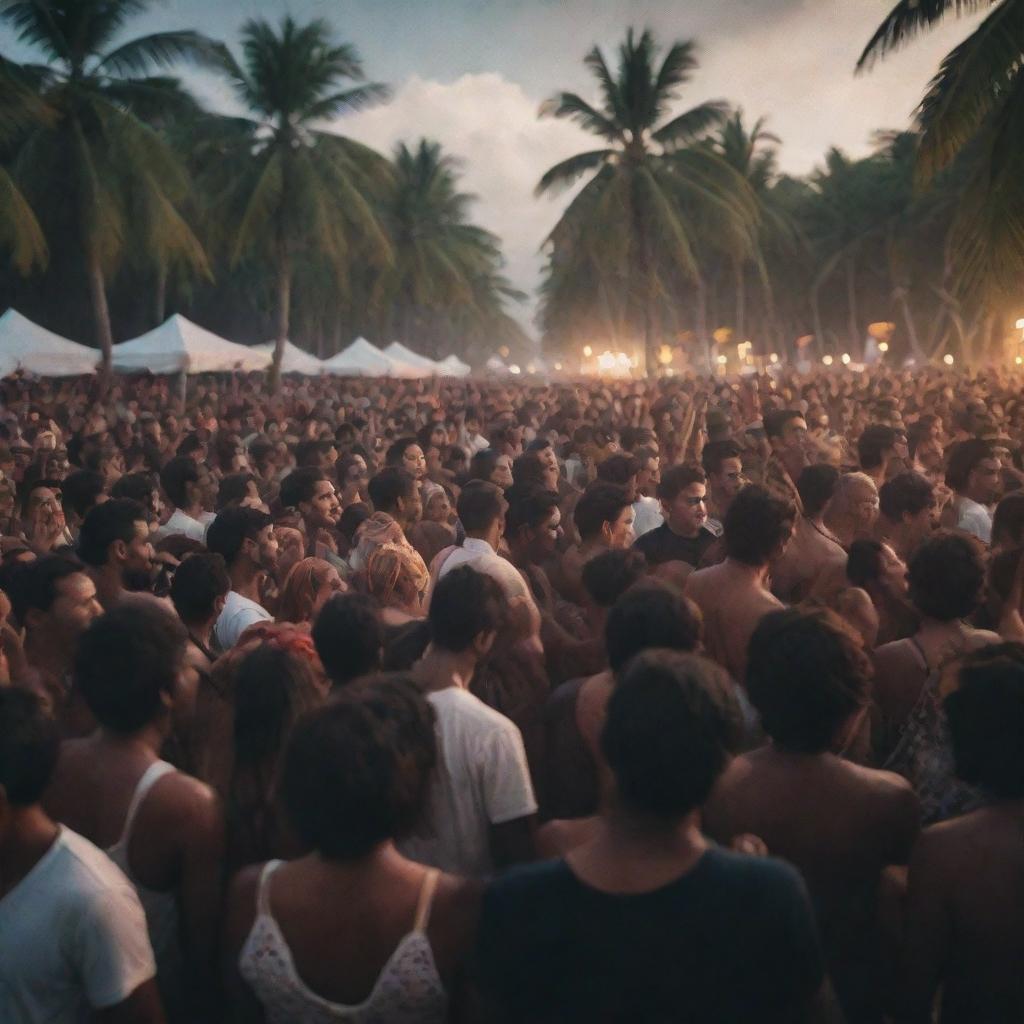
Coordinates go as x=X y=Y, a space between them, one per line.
x=386 y=568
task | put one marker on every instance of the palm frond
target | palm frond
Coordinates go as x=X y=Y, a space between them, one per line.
x=357 y=98
x=260 y=206
x=574 y=108
x=19 y=230
x=692 y=124
x=161 y=50
x=569 y=171
x=910 y=17
x=613 y=106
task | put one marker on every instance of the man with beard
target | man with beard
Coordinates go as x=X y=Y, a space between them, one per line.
x=309 y=491
x=245 y=539
x=114 y=544
x=972 y=473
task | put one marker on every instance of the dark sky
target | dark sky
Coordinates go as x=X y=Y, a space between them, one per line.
x=472 y=73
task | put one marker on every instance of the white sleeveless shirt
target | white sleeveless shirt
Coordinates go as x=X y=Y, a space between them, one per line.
x=408 y=989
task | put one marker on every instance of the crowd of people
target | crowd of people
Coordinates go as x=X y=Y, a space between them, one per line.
x=697 y=699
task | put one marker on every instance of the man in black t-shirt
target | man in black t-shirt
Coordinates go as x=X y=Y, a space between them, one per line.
x=686 y=534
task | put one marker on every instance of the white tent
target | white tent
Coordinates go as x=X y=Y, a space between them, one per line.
x=296 y=360
x=361 y=359
x=178 y=344
x=396 y=350
x=453 y=366
x=26 y=346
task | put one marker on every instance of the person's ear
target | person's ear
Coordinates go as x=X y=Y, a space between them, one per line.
x=606 y=531
x=120 y=550
x=218 y=605
x=483 y=642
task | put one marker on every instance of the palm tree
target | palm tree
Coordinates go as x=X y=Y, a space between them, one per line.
x=627 y=229
x=444 y=266
x=973 y=109
x=290 y=186
x=94 y=148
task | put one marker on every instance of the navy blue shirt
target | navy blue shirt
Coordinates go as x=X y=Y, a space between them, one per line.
x=733 y=940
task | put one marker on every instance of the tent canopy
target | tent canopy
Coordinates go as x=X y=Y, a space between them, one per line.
x=296 y=360
x=396 y=350
x=178 y=344
x=25 y=345
x=361 y=359
x=453 y=366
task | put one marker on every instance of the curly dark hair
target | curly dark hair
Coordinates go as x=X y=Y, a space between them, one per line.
x=946 y=577
x=607 y=576
x=816 y=485
x=905 y=494
x=356 y=771
x=650 y=614
x=29 y=743
x=806 y=674
x=600 y=503
x=756 y=524
x=672 y=724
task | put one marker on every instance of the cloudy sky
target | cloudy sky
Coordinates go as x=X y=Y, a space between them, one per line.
x=472 y=73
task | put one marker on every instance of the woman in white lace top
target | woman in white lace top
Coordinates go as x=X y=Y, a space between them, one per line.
x=352 y=931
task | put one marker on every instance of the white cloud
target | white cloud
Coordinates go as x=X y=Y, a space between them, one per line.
x=491 y=125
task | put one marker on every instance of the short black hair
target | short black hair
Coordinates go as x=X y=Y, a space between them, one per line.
x=396 y=452
x=232 y=528
x=357 y=771
x=986 y=721
x=906 y=493
x=234 y=487
x=946 y=577
x=179 y=471
x=964 y=457
x=816 y=485
x=465 y=603
x=481 y=466
x=197 y=583
x=528 y=469
x=300 y=485
x=776 y=420
x=618 y=469
x=389 y=486
x=529 y=505
x=29 y=745
x=480 y=504
x=650 y=614
x=716 y=452
x=864 y=562
x=672 y=725
x=806 y=674
x=600 y=503
x=126 y=661
x=677 y=479
x=1008 y=520
x=348 y=637
x=137 y=486
x=756 y=524
x=81 y=489
x=34 y=584
x=607 y=576
x=875 y=440
x=112 y=521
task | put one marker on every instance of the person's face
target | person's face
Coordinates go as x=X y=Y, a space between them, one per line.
x=330 y=585
x=73 y=609
x=549 y=533
x=687 y=512
x=900 y=449
x=208 y=488
x=794 y=434
x=728 y=480
x=57 y=466
x=865 y=506
x=620 y=532
x=438 y=508
x=42 y=498
x=920 y=524
x=137 y=568
x=502 y=472
x=984 y=481
x=650 y=476
x=414 y=461
x=438 y=437
x=412 y=511
x=323 y=510
x=266 y=547
x=472 y=427
x=894 y=572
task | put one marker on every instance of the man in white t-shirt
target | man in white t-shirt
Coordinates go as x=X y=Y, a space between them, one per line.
x=973 y=474
x=73 y=935
x=245 y=538
x=481 y=809
x=192 y=489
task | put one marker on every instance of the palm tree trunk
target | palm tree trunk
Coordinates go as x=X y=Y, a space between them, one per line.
x=851 y=301
x=908 y=319
x=702 y=320
x=101 y=318
x=819 y=330
x=284 y=312
x=160 y=298
x=741 y=300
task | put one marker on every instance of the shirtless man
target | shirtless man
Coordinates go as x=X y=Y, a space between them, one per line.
x=839 y=823
x=853 y=509
x=734 y=596
x=814 y=549
x=907 y=514
x=964 y=930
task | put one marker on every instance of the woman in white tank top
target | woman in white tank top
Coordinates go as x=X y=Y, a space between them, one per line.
x=352 y=932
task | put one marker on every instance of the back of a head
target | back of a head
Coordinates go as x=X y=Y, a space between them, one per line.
x=528 y=469
x=756 y=525
x=650 y=614
x=356 y=772
x=348 y=637
x=198 y=583
x=178 y=472
x=29 y=744
x=875 y=440
x=137 y=486
x=806 y=675
x=111 y=521
x=600 y=503
x=607 y=576
x=234 y=488
x=906 y=493
x=946 y=576
x=1008 y=521
x=480 y=505
x=986 y=721
x=232 y=528
x=671 y=727
x=864 y=562
x=481 y=466
x=618 y=469
x=962 y=461
x=388 y=487
x=127 y=665
x=81 y=489
x=816 y=485
x=466 y=604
